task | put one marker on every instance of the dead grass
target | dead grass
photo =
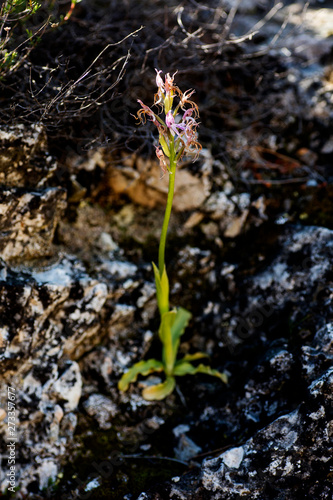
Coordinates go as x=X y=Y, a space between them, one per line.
x=83 y=78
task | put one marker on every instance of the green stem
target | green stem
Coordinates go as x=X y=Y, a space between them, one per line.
x=168 y=208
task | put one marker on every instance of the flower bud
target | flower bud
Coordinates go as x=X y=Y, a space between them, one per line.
x=159 y=81
x=169 y=119
x=161 y=159
x=164 y=145
x=168 y=103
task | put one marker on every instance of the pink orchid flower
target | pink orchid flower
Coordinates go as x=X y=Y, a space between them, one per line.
x=176 y=133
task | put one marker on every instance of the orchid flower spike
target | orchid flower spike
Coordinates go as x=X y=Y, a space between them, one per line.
x=176 y=121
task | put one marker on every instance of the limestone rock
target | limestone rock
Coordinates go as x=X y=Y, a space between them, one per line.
x=102 y=409
x=283 y=456
x=230 y=211
x=48 y=311
x=291 y=455
x=28 y=221
x=246 y=6
x=24 y=160
x=289 y=389
x=298 y=279
x=51 y=316
x=68 y=386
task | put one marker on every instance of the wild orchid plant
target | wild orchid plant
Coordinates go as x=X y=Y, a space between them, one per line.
x=177 y=137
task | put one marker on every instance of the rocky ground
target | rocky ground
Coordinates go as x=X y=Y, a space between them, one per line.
x=249 y=254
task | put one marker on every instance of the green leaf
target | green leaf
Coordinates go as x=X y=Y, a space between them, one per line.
x=159 y=391
x=178 y=327
x=141 y=368
x=193 y=357
x=164 y=331
x=172 y=327
x=168 y=355
x=211 y=371
x=185 y=368
x=162 y=289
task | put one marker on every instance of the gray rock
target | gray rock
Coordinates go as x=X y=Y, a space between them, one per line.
x=299 y=278
x=51 y=316
x=24 y=160
x=186 y=448
x=68 y=387
x=230 y=211
x=48 y=312
x=282 y=457
x=289 y=457
x=28 y=222
x=246 y=6
x=102 y=409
